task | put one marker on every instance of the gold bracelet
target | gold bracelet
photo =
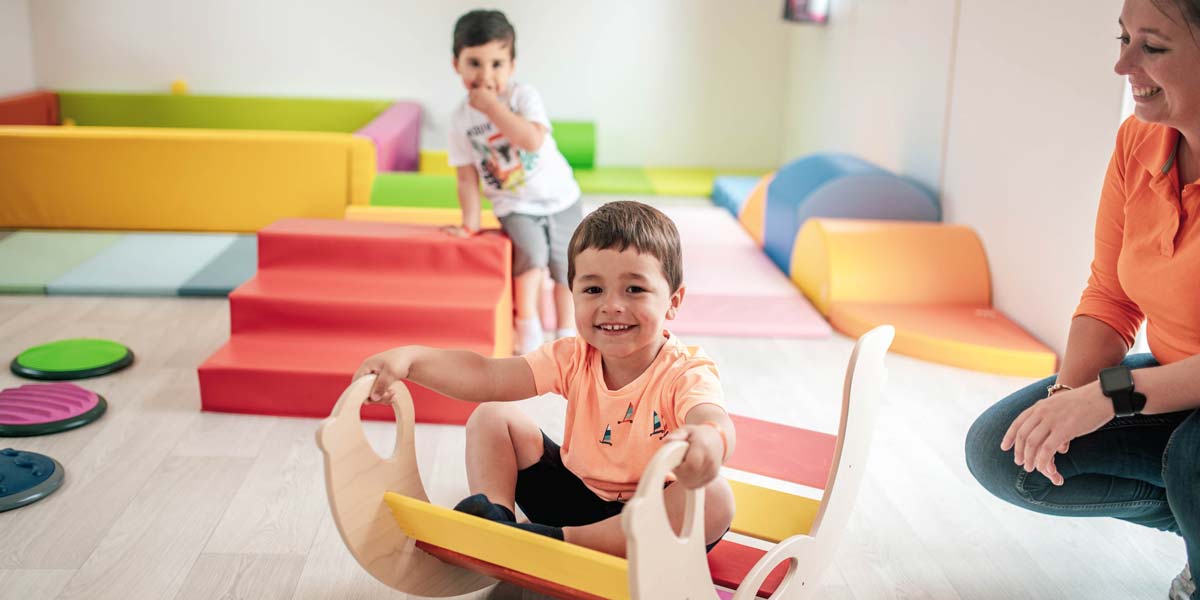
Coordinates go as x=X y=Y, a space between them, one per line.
x=1055 y=388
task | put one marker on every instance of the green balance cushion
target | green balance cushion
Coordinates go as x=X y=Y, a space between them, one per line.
x=72 y=359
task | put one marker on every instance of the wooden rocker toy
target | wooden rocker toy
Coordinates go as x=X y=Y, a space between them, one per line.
x=784 y=542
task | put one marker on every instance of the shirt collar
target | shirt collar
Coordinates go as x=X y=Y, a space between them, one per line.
x=1156 y=152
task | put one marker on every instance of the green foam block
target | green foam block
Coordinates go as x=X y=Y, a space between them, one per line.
x=417 y=190
x=614 y=180
x=218 y=112
x=577 y=142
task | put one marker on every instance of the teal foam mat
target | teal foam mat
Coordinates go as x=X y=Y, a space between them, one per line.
x=227 y=271
x=30 y=260
x=143 y=264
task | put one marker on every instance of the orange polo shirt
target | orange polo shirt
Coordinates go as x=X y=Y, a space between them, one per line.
x=612 y=434
x=1147 y=261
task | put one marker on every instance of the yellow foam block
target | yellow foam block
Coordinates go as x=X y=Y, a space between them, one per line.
x=435 y=162
x=177 y=179
x=897 y=262
x=417 y=215
x=971 y=337
x=753 y=215
x=546 y=558
x=769 y=514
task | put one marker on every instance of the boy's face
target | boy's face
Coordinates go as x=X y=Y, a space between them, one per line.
x=621 y=300
x=488 y=66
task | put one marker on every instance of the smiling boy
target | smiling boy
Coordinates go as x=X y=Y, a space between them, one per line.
x=630 y=386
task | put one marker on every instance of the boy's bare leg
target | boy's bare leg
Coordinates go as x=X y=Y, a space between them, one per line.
x=528 y=292
x=564 y=306
x=501 y=440
x=607 y=536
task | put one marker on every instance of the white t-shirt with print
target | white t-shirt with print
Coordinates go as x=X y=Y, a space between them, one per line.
x=516 y=181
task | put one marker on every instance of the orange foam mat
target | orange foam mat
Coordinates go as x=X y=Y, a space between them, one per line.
x=302 y=376
x=967 y=336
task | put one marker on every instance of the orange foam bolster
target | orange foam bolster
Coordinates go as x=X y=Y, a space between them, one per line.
x=900 y=262
x=968 y=336
x=754 y=211
x=782 y=452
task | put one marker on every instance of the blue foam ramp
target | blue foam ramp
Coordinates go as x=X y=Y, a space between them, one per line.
x=228 y=270
x=837 y=186
x=730 y=191
x=143 y=264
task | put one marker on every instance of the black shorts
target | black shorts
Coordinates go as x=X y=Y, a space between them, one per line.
x=550 y=494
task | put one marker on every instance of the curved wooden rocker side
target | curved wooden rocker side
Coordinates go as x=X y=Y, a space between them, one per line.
x=655 y=551
x=356 y=479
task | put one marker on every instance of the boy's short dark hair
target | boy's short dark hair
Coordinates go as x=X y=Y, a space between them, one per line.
x=620 y=225
x=479 y=27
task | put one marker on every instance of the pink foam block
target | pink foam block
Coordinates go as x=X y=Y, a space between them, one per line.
x=38 y=403
x=397 y=136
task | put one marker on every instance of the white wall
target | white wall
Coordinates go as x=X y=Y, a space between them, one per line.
x=1008 y=109
x=667 y=83
x=16 y=48
x=1033 y=122
x=873 y=83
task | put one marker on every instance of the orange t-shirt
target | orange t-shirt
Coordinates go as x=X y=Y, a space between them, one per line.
x=1147 y=261
x=612 y=434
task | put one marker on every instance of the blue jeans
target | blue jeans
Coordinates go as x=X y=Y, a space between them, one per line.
x=1143 y=469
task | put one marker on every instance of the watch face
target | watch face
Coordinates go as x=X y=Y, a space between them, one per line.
x=1115 y=379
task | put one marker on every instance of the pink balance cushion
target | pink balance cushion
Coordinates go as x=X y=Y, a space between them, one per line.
x=38 y=403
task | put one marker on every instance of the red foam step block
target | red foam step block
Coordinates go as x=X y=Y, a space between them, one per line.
x=454 y=309
x=788 y=453
x=381 y=248
x=294 y=376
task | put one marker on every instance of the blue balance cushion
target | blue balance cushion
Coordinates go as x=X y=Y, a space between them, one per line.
x=26 y=477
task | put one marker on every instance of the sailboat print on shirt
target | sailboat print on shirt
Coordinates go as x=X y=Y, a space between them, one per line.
x=659 y=430
x=607 y=439
x=628 y=415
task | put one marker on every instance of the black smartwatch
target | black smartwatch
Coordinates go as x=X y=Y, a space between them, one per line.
x=1117 y=384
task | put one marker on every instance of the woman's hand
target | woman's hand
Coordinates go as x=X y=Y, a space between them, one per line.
x=389 y=367
x=1047 y=428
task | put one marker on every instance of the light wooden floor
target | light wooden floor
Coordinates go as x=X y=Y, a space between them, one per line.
x=162 y=501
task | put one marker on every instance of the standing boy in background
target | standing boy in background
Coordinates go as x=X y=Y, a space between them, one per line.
x=501 y=134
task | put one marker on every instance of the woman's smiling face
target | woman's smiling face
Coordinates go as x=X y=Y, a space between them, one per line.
x=1160 y=55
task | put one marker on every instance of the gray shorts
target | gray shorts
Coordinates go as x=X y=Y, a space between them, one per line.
x=541 y=241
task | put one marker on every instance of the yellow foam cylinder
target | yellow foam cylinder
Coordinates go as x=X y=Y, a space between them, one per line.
x=754 y=211
x=897 y=262
x=179 y=87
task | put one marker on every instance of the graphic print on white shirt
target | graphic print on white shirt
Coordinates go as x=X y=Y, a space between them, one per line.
x=533 y=183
